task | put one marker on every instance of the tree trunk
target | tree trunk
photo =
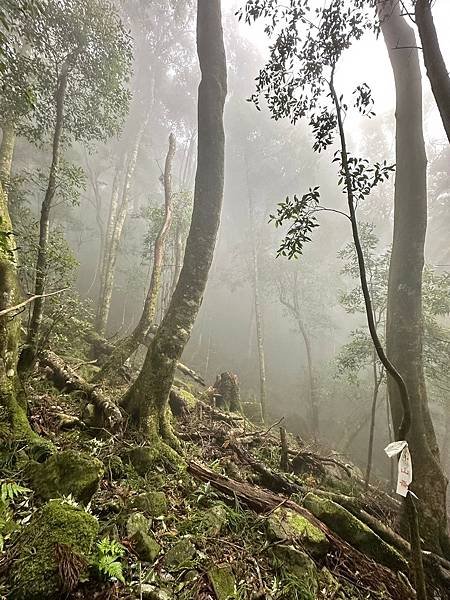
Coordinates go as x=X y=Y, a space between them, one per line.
x=116 y=221
x=126 y=347
x=7 y=152
x=257 y=304
x=102 y=306
x=148 y=396
x=311 y=384
x=377 y=379
x=404 y=309
x=29 y=353
x=446 y=441
x=14 y=424
x=434 y=61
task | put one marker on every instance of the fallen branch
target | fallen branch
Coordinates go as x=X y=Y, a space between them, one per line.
x=11 y=309
x=356 y=566
x=106 y=413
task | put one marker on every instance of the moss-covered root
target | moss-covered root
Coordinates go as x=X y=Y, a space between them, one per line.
x=36 y=573
x=354 y=531
x=156 y=453
x=14 y=424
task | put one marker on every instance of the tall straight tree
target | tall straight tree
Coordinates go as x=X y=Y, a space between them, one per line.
x=257 y=304
x=404 y=310
x=128 y=346
x=146 y=400
x=434 y=61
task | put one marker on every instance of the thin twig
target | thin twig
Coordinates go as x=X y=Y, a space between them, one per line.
x=11 y=309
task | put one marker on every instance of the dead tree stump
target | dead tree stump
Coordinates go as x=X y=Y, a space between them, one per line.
x=227 y=393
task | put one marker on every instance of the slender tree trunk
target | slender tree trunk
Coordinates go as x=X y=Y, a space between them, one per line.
x=29 y=353
x=434 y=61
x=257 y=304
x=102 y=310
x=377 y=379
x=7 y=152
x=404 y=309
x=148 y=396
x=178 y=257
x=116 y=222
x=311 y=383
x=126 y=347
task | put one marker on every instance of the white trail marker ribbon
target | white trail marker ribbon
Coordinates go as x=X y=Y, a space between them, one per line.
x=404 y=475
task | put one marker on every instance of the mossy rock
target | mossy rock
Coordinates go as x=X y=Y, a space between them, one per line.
x=137 y=522
x=284 y=524
x=210 y=523
x=66 y=473
x=299 y=566
x=150 y=503
x=223 y=582
x=180 y=555
x=147 y=548
x=188 y=397
x=354 y=531
x=329 y=583
x=34 y=574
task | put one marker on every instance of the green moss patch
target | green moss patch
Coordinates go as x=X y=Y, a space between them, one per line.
x=66 y=473
x=354 y=531
x=35 y=573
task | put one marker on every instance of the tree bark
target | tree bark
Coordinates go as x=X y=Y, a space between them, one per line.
x=434 y=61
x=257 y=305
x=126 y=347
x=7 y=152
x=116 y=222
x=377 y=379
x=14 y=423
x=29 y=353
x=103 y=305
x=148 y=396
x=404 y=308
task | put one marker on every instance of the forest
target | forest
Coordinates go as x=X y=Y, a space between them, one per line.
x=224 y=299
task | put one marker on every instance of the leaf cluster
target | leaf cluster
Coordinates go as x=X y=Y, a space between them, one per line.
x=107 y=560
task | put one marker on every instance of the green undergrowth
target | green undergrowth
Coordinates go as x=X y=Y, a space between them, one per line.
x=151 y=530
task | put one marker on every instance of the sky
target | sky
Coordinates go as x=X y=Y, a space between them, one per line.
x=367 y=61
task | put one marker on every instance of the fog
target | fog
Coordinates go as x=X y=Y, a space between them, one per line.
x=266 y=161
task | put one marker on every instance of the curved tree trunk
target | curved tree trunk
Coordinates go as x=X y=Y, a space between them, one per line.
x=404 y=310
x=434 y=61
x=126 y=347
x=29 y=353
x=7 y=152
x=148 y=396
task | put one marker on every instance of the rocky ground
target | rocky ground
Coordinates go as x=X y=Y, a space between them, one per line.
x=239 y=516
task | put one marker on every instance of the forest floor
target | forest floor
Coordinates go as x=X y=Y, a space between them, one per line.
x=240 y=515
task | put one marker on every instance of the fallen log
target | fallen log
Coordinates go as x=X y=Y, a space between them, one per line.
x=106 y=414
x=356 y=566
